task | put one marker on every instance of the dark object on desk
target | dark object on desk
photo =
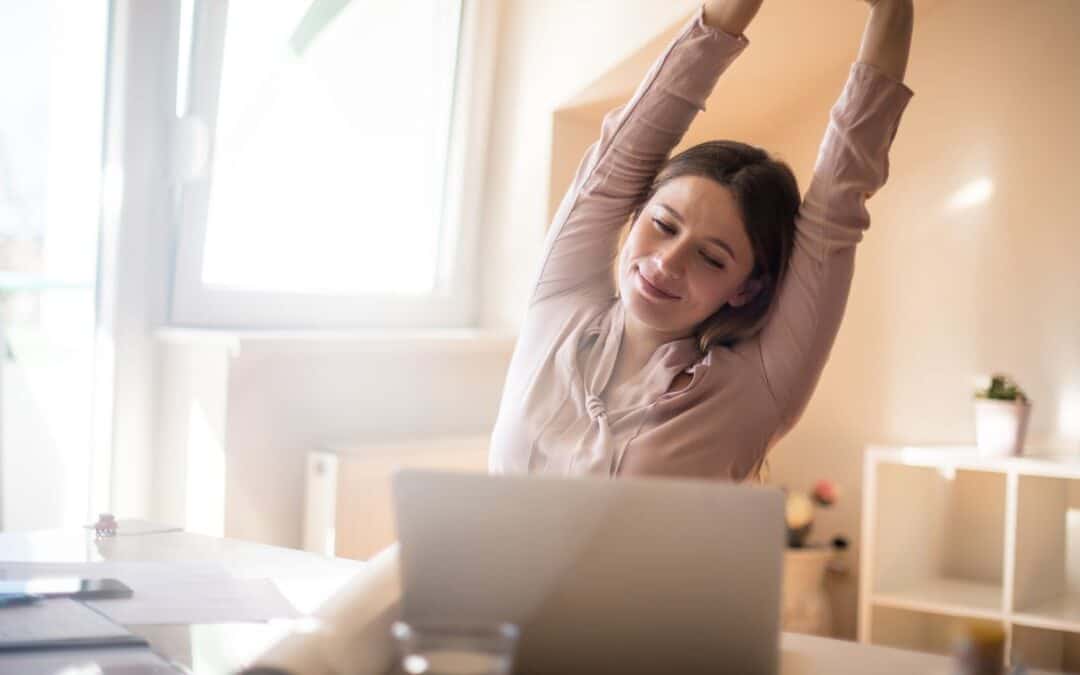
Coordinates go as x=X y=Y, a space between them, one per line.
x=60 y=587
x=17 y=599
x=60 y=623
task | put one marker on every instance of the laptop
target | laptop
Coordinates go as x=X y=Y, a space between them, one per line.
x=601 y=576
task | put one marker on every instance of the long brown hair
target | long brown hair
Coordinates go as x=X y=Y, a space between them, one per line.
x=768 y=195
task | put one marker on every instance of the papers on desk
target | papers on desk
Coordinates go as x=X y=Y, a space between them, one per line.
x=172 y=592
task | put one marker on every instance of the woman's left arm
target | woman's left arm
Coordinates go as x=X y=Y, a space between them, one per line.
x=852 y=164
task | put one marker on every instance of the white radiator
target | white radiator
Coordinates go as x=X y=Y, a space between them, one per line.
x=347 y=508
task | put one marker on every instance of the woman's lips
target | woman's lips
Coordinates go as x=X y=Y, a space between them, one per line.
x=651 y=291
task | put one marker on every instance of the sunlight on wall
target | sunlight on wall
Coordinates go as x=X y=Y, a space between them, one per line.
x=1069 y=414
x=974 y=193
x=205 y=475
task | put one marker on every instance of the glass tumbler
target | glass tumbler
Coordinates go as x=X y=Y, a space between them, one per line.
x=446 y=648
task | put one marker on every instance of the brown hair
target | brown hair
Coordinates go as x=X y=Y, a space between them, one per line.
x=768 y=196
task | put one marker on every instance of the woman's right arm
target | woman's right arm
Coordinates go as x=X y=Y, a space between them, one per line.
x=634 y=143
x=730 y=16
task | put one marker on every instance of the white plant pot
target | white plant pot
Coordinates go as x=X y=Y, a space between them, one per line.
x=1000 y=427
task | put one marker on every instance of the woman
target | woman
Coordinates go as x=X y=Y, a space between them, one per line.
x=697 y=346
x=691 y=351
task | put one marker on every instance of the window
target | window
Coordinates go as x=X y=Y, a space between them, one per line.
x=52 y=65
x=336 y=132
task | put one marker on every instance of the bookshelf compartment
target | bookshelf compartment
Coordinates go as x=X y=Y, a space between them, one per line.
x=939 y=540
x=1046 y=586
x=1045 y=649
x=919 y=631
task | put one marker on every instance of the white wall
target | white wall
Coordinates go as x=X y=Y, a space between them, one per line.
x=238 y=415
x=285 y=399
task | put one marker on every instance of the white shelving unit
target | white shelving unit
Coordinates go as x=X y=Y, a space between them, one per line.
x=950 y=538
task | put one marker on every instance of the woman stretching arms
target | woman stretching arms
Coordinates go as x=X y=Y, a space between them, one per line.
x=686 y=307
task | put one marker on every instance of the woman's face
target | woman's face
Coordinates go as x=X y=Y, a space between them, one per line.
x=687 y=255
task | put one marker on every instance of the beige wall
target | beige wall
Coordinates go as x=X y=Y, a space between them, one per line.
x=941 y=292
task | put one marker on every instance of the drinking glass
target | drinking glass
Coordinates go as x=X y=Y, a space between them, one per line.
x=446 y=648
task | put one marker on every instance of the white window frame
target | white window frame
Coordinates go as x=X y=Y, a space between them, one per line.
x=453 y=304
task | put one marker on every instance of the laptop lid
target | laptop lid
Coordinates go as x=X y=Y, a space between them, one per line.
x=628 y=575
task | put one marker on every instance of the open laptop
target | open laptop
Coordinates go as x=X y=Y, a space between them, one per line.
x=602 y=576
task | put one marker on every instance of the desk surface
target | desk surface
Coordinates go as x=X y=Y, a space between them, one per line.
x=220 y=648
x=305 y=579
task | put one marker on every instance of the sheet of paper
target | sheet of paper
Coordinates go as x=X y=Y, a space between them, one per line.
x=216 y=602
x=171 y=592
x=137 y=575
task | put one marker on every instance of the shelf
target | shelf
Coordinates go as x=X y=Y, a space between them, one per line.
x=1047 y=575
x=1037 y=462
x=1062 y=613
x=953 y=597
x=953 y=539
x=920 y=631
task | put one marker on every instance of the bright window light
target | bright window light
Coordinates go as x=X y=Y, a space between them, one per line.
x=330 y=147
x=183 y=56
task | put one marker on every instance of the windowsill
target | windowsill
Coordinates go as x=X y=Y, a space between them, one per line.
x=449 y=340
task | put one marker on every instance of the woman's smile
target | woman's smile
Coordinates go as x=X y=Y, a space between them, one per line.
x=651 y=291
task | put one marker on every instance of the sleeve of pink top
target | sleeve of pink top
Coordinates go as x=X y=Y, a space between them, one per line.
x=617 y=170
x=852 y=164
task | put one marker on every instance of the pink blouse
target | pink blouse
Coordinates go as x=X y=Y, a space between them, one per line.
x=556 y=414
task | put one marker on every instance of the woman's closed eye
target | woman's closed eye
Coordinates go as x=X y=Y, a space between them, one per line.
x=713 y=262
x=663 y=227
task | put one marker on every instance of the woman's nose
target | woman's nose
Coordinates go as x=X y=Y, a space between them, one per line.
x=670 y=261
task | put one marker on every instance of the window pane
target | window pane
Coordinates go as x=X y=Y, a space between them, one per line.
x=330 y=146
x=52 y=66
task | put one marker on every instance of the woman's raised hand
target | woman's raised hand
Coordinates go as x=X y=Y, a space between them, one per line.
x=731 y=16
x=886 y=40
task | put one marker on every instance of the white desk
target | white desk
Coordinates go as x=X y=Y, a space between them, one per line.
x=222 y=648
x=305 y=579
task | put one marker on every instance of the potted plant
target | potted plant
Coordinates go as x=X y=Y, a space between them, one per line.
x=799 y=510
x=805 y=607
x=1002 y=410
